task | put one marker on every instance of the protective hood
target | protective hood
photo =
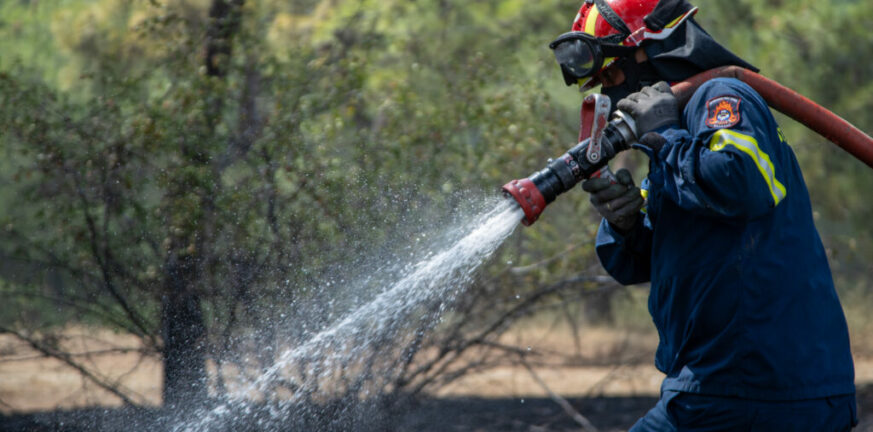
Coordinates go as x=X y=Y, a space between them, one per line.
x=689 y=51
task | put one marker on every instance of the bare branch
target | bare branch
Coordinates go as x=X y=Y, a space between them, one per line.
x=67 y=359
x=563 y=403
x=522 y=270
x=452 y=349
x=76 y=355
x=82 y=305
x=108 y=284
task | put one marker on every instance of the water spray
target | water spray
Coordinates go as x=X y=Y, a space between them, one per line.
x=356 y=345
x=590 y=157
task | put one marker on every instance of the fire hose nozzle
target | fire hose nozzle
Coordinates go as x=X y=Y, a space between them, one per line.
x=534 y=193
x=528 y=197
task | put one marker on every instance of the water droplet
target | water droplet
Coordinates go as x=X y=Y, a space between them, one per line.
x=522 y=401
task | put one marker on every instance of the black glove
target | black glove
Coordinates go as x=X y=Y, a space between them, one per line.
x=652 y=107
x=618 y=203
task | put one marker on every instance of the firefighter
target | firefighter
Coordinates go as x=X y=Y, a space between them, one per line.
x=752 y=334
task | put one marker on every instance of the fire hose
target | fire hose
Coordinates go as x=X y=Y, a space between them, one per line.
x=590 y=156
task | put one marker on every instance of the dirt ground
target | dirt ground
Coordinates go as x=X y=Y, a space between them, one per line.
x=605 y=374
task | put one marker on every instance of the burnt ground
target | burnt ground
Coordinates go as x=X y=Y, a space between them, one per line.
x=608 y=414
x=523 y=415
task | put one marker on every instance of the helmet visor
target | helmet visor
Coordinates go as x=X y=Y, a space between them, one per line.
x=579 y=57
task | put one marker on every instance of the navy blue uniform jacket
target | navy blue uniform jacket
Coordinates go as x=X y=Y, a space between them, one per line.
x=741 y=291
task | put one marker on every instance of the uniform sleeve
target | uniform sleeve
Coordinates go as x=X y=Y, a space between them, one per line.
x=721 y=164
x=627 y=258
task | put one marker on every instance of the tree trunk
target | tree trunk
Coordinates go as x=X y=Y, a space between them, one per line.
x=183 y=328
x=184 y=336
x=224 y=22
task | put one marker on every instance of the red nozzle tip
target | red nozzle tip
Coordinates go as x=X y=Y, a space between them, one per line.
x=528 y=197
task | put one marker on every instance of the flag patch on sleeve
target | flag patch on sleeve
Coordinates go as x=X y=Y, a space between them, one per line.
x=723 y=112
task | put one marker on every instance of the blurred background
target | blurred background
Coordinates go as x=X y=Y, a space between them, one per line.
x=188 y=187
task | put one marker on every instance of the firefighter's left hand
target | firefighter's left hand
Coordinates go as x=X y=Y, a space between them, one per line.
x=651 y=108
x=619 y=203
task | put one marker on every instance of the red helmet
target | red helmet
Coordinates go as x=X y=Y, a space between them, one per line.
x=630 y=22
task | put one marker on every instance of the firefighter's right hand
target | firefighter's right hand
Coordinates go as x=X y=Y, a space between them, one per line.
x=618 y=203
x=652 y=107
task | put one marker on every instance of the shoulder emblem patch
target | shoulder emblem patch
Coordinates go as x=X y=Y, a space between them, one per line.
x=723 y=112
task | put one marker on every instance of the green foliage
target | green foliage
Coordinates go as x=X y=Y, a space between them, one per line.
x=330 y=120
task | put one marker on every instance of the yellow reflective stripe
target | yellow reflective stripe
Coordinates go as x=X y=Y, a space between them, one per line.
x=675 y=21
x=749 y=145
x=645 y=194
x=590 y=28
x=681 y=18
x=591 y=21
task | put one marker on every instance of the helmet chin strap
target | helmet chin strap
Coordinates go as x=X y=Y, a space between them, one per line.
x=636 y=76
